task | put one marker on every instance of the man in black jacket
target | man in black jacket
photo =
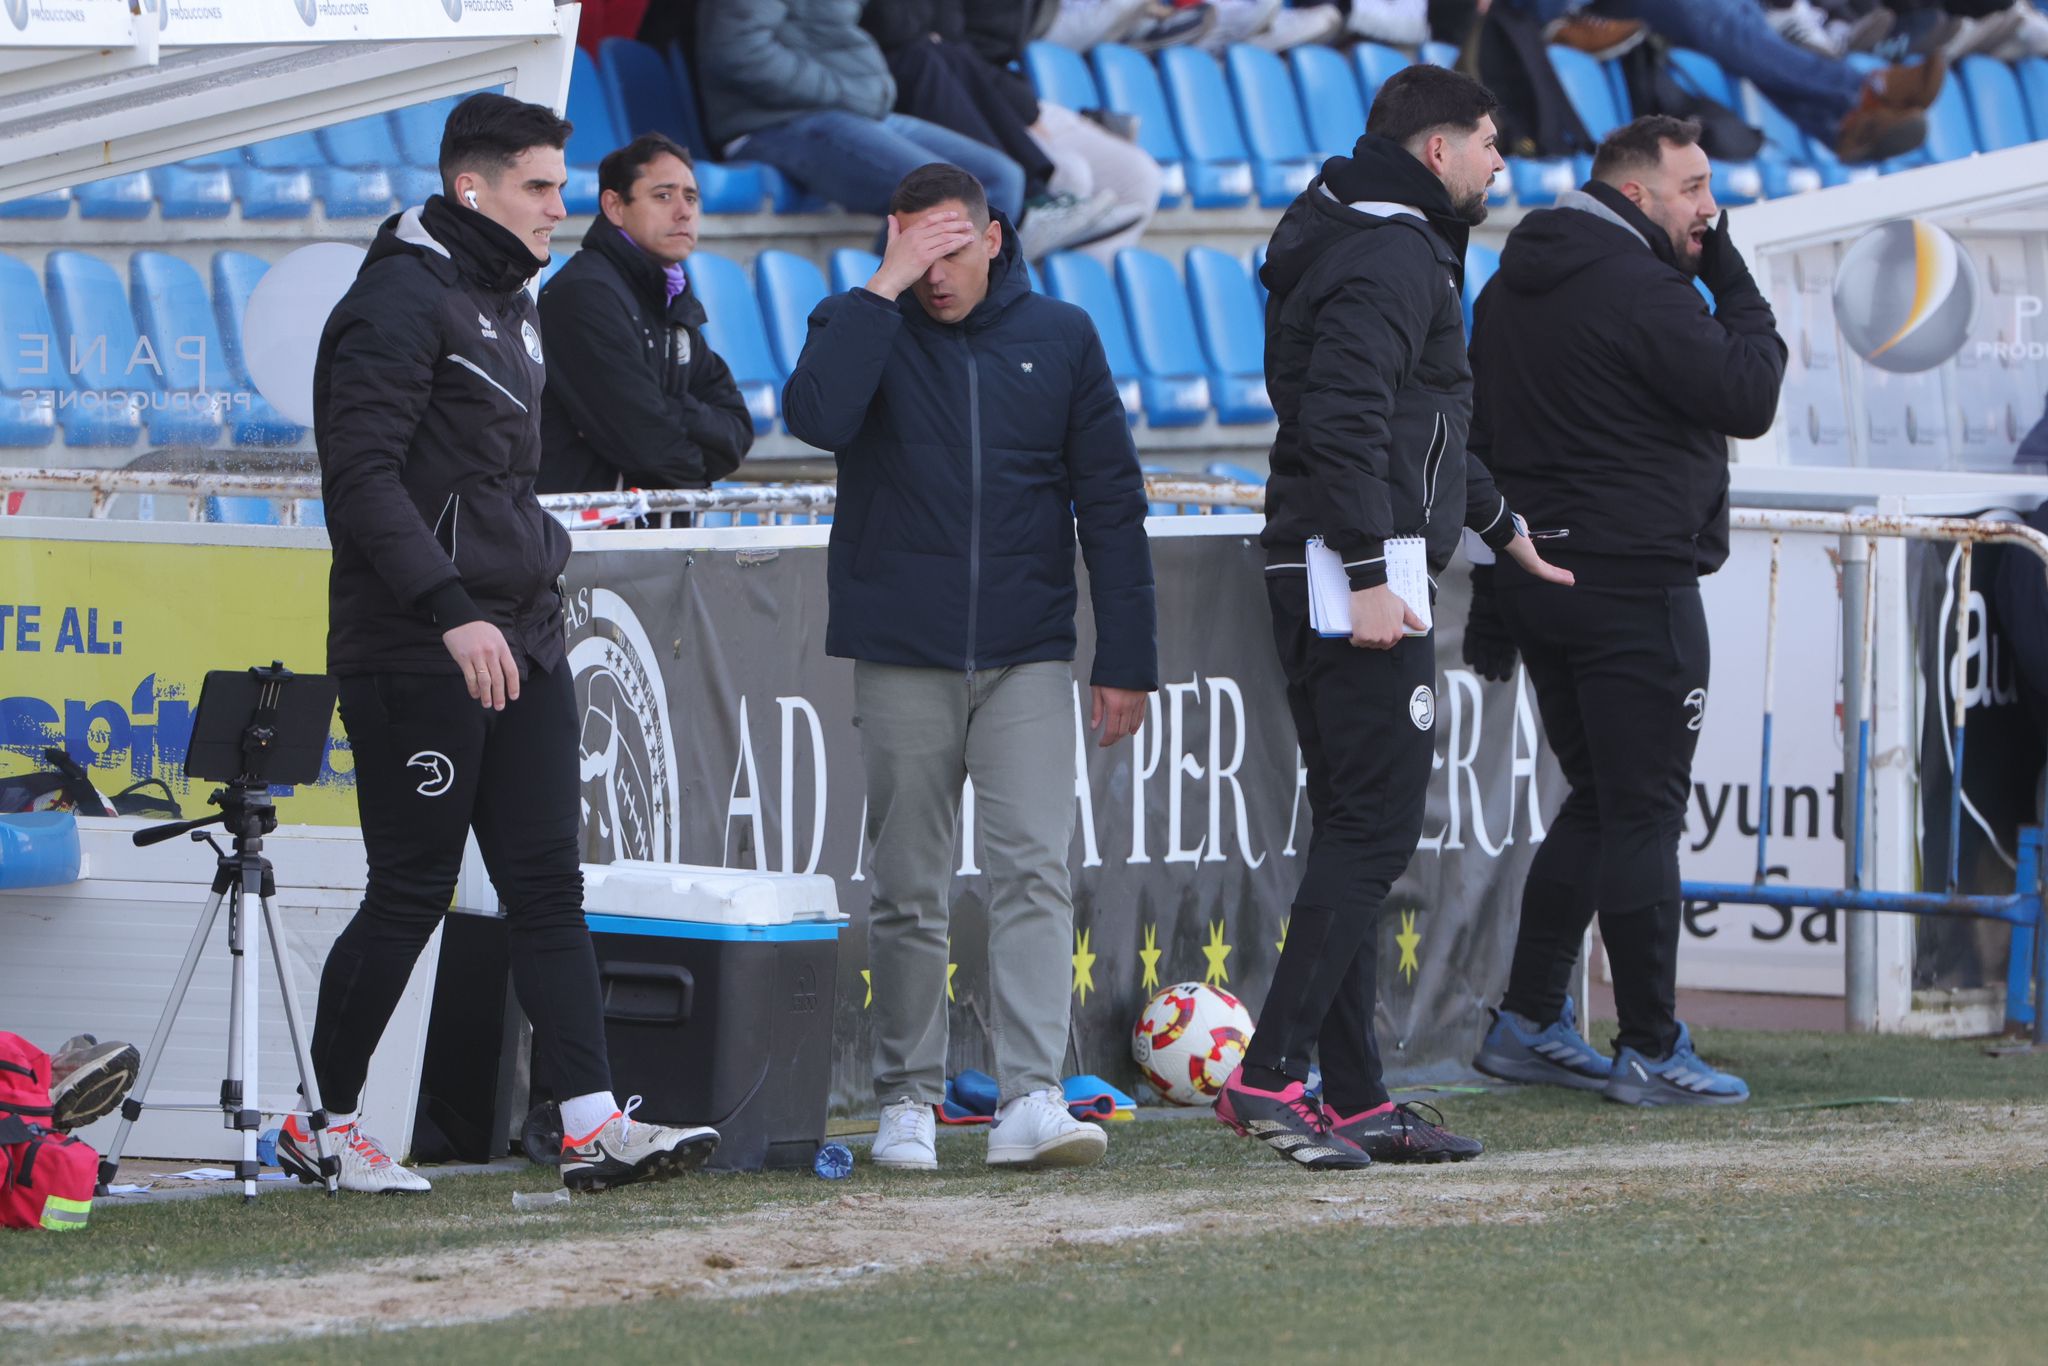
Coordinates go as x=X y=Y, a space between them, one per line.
x=1365 y=363
x=975 y=425
x=635 y=399
x=445 y=628
x=1607 y=390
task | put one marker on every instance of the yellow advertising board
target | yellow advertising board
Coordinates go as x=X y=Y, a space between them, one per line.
x=104 y=645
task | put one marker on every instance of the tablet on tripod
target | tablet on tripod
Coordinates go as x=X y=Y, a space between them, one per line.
x=261 y=725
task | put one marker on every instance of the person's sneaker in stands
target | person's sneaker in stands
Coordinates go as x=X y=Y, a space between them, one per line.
x=622 y=1151
x=1164 y=26
x=1057 y=222
x=1984 y=35
x=1399 y=1133
x=1803 y=24
x=88 y=1079
x=1236 y=22
x=365 y=1166
x=1288 y=1122
x=904 y=1141
x=1601 y=39
x=1292 y=28
x=1866 y=34
x=1397 y=23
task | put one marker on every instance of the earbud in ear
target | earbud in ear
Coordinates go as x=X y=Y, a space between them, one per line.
x=470 y=195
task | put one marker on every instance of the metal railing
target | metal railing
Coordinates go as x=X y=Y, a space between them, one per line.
x=2023 y=907
x=782 y=504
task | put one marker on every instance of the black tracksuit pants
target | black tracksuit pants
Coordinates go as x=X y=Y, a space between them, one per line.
x=1365 y=720
x=431 y=763
x=1621 y=680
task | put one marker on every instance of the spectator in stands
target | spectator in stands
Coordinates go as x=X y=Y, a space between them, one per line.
x=943 y=80
x=800 y=85
x=445 y=629
x=1145 y=25
x=1365 y=363
x=975 y=424
x=1605 y=393
x=1863 y=118
x=635 y=398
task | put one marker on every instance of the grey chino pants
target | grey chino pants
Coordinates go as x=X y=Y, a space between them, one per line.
x=923 y=732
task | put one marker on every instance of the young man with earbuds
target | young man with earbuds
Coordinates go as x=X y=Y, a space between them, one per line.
x=445 y=632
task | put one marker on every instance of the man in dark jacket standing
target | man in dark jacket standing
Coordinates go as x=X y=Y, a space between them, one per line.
x=445 y=628
x=1365 y=363
x=975 y=424
x=635 y=399
x=1606 y=393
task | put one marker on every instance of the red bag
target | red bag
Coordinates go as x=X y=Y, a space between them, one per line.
x=46 y=1178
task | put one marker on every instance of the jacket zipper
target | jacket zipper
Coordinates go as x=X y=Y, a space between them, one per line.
x=974 y=513
x=1432 y=464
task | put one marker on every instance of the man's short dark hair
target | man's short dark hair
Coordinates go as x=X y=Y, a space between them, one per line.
x=486 y=133
x=1637 y=147
x=1421 y=99
x=936 y=183
x=622 y=167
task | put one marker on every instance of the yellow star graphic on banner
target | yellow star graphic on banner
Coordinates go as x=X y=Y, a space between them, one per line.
x=868 y=977
x=1408 y=939
x=1280 y=944
x=951 y=967
x=1215 y=951
x=1084 y=966
x=1149 y=956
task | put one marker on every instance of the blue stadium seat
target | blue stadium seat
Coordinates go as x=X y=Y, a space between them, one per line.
x=368 y=142
x=790 y=286
x=94 y=340
x=49 y=204
x=645 y=98
x=120 y=197
x=1258 y=267
x=1175 y=382
x=241 y=510
x=1282 y=158
x=1950 y=134
x=1227 y=313
x=1079 y=279
x=1328 y=91
x=235 y=274
x=595 y=133
x=852 y=267
x=2033 y=74
x=188 y=190
x=1129 y=85
x=547 y=272
x=733 y=328
x=344 y=191
x=174 y=313
x=417 y=129
x=1219 y=167
x=1242 y=474
x=1996 y=104
x=264 y=192
x=1061 y=75
x=1735 y=182
x=25 y=367
x=1783 y=140
x=1481 y=261
x=1375 y=62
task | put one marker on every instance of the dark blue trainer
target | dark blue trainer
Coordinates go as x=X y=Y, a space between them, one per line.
x=1556 y=1054
x=1681 y=1079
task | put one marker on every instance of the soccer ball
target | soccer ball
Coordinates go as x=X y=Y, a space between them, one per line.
x=1189 y=1039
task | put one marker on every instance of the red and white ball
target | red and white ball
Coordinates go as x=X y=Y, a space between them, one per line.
x=1189 y=1039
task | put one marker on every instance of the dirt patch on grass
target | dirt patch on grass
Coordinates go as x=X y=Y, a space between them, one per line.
x=788 y=1247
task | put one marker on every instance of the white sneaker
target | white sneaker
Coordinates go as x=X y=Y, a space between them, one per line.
x=1293 y=28
x=1037 y=1130
x=904 y=1141
x=2032 y=38
x=1081 y=24
x=1803 y=24
x=1987 y=34
x=365 y=1166
x=1236 y=22
x=624 y=1151
x=1062 y=221
x=1397 y=23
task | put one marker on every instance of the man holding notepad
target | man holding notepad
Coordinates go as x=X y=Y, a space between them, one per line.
x=1370 y=488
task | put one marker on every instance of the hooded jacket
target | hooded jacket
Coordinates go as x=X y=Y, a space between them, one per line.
x=635 y=397
x=761 y=63
x=1365 y=365
x=426 y=408
x=968 y=455
x=1607 y=389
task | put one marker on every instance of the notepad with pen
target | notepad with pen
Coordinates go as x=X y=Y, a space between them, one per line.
x=1329 y=585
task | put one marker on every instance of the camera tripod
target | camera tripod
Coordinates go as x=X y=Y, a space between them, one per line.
x=244 y=881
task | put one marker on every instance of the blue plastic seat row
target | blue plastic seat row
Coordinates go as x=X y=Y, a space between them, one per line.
x=108 y=363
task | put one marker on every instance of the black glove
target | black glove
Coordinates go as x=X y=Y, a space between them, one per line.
x=1721 y=265
x=1489 y=649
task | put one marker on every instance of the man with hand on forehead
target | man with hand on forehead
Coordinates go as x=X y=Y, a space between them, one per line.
x=978 y=434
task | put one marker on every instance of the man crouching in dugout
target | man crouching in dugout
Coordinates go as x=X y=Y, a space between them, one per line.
x=1606 y=391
